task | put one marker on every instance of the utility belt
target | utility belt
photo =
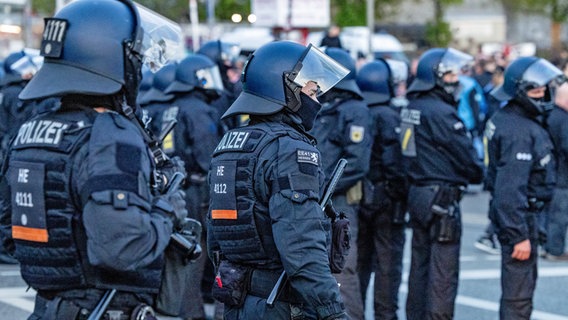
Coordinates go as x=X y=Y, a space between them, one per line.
x=54 y=306
x=376 y=198
x=445 y=207
x=233 y=282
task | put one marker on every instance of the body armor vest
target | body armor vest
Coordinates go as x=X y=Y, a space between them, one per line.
x=240 y=220
x=45 y=223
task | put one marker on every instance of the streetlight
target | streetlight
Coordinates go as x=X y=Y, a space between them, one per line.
x=236 y=18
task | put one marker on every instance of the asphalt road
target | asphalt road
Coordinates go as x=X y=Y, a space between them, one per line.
x=479 y=290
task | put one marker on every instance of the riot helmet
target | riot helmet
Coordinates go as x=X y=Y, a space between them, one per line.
x=11 y=59
x=434 y=64
x=222 y=53
x=349 y=82
x=379 y=79
x=97 y=47
x=196 y=71
x=275 y=74
x=161 y=80
x=28 y=64
x=525 y=74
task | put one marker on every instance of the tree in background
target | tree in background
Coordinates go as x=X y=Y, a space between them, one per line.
x=438 y=32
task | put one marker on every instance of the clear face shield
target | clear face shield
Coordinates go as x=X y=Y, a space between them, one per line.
x=318 y=67
x=453 y=64
x=29 y=64
x=542 y=74
x=210 y=78
x=454 y=61
x=161 y=41
x=399 y=75
x=230 y=53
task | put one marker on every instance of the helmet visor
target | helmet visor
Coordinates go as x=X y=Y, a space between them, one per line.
x=29 y=63
x=541 y=73
x=210 y=78
x=318 y=67
x=454 y=61
x=230 y=52
x=162 y=38
x=399 y=70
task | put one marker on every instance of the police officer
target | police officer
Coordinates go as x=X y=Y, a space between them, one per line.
x=197 y=82
x=341 y=132
x=84 y=218
x=381 y=235
x=522 y=169
x=225 y=55
x=442 y=161
x=266 y=179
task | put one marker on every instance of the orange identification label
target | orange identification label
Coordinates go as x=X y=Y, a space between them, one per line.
x=224 y=214
x=30 y=234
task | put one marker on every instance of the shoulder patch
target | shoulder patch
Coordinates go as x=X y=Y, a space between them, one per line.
x=523 y=156
x=356 y=133
x=306 y=156
x=410 y=116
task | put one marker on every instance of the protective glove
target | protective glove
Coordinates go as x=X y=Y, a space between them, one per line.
x=173 y=205
x=187 y=240
x=167 y=171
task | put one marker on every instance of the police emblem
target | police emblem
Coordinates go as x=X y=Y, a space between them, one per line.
x=305 y=156
x=356 y=133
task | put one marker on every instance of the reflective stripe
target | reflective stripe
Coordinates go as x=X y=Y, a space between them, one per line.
x=30 y=234
x=224 y=214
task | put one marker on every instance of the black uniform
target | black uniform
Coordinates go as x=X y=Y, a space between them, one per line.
x=341 y=131
x=83 y=218
x=522 y=170
x=265 y=181
x=442 y=161
x=381 y=216
x=558 y=211
x=193 y=139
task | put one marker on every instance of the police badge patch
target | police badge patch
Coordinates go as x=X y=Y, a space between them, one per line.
x=356 y=133
x=305 y=156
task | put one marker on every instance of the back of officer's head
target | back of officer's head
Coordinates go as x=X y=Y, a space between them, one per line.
x=375 y=81
x=525 y=74
x=196 y=72
x=434 y=64
x=91 y=47
x=160 y=81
